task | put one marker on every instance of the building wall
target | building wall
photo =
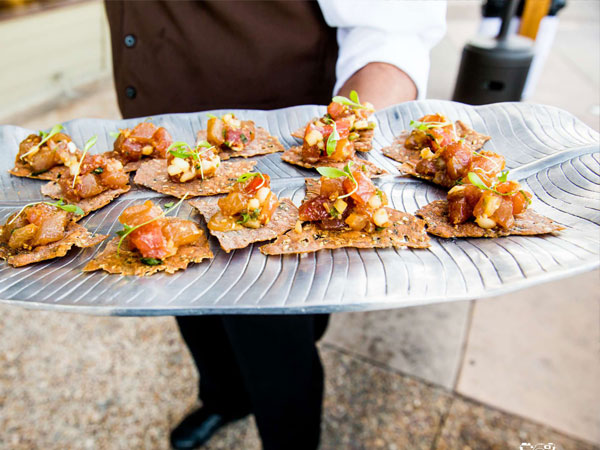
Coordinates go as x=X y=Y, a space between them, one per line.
x=48 y=54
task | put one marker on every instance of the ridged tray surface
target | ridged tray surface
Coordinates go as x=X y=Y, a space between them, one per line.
x=552 y=153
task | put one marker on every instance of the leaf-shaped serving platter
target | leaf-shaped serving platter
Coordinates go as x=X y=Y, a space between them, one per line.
x=551 y=152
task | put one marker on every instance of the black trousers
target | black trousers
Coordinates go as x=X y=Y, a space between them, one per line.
x=265 y=365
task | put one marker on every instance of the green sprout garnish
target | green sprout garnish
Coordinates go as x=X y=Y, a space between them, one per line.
x=89 y=144
x=151 y=261
x=249 y=216
x=194 y=154
x=476 y=181
x=248 y=175
x=114 y=134
x=503 y=176
x=353 y=101
x=59 y=204
x=127 y=229
x=332 y=140
x=332 y=172
x=169 y=205
x=45 y=136
x=424 y=126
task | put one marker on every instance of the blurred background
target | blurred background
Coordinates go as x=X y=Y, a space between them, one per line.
x=486 y=374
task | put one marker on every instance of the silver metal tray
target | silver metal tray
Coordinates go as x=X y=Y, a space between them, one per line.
x=554 y=154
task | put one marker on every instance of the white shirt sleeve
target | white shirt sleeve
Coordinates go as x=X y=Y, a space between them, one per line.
x=397 y=32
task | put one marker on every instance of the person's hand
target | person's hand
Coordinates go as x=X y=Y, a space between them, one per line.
x=381 y=84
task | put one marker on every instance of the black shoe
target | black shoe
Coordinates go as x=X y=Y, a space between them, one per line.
x=197 y=428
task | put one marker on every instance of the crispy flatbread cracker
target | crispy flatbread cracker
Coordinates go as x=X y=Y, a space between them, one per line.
x=410 y=158
x=127 y=262
x=529 y=223
x=363 y=144
x=283 y=219
x=88 y=205
x=23 y=170
x=472 y=138
x=153 y=174
x=75 y=235
x=262 y=144
x=294 y=156
x=406 y=231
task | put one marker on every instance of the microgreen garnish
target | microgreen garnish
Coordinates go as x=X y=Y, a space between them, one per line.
x=151 y=261
x=169 y=205
x=424 y=126
x=246 y=176
x=332 y=140
x=332 y=172
x=114 y=134
x=98 y=170
x=353 y=101
x=89 y=144
x=476 y=181
x=327 y=119
x=45 y=136
x=503 y=176
x=127 y=229
x=249 y=216
x=59 y=204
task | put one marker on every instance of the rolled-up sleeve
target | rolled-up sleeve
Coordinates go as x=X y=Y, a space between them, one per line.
x=397 y=32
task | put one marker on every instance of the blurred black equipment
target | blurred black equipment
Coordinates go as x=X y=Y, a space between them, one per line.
x=494 y=69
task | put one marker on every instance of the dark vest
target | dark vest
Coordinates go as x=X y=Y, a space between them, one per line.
x=184 y=56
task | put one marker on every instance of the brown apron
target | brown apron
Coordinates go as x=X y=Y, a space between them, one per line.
x=184 y=56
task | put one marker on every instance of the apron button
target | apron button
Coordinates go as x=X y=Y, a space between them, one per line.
x=130 y=40
x=130 y=92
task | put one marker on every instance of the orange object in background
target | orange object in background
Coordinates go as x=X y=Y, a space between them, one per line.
x=533 y=13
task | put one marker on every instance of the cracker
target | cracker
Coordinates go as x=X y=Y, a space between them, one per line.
x=410 y=158
x=364 y=143
x=262 y=144
x=294 y=156
x=529 y=223
x=406 y=231
x=23 y=170
x=153 y=174
x=88 y=205
x=76 y=235
x=127 y=262
x=473 y=139
x=283 y=219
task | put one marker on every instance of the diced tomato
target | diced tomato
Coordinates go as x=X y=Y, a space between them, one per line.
x=143 y=132
x=331 y=188
x=365 y=188
x=336 y=110
x=150 y=241
x=313 y=209
x=257 y=182
x=161 y=140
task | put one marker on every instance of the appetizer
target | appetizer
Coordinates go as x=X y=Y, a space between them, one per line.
x=192 y=171
x=41 y=231
x=44 y=156
x=251 y=212
x=90 y=182
x=436 y=145
x=234 y=137
x=345 y=209
x=479 y=208
x=151 y=242
x=332 y=140
x=145 y=140
x=346 y=113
